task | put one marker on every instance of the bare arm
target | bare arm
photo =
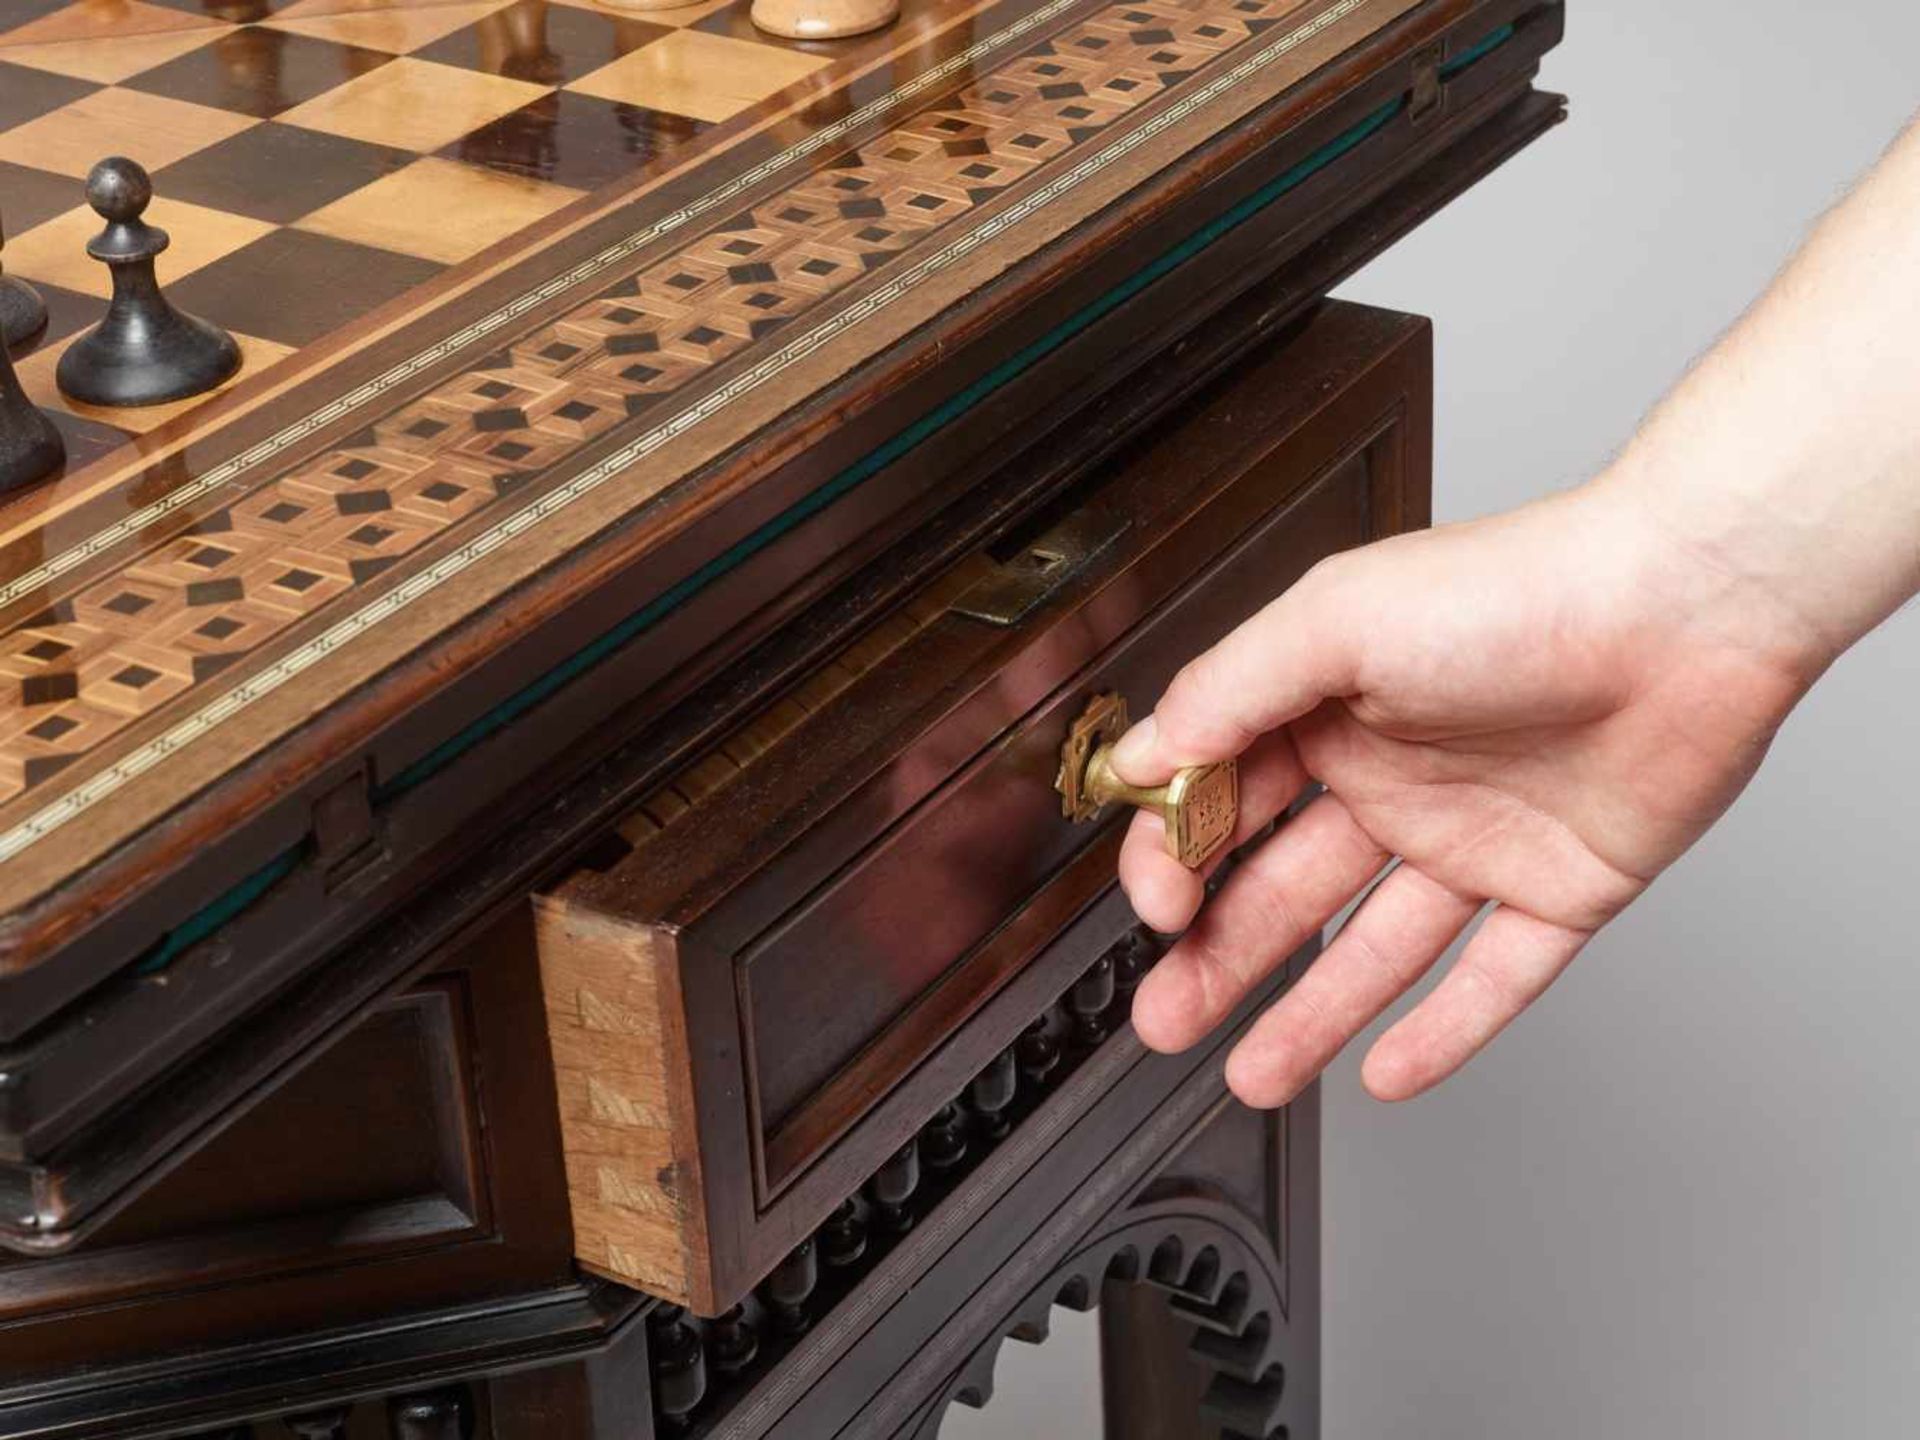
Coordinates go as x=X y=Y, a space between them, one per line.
x=1541 y=711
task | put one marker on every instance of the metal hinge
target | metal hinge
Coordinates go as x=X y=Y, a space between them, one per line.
x=1426 y=101
x=345 y=837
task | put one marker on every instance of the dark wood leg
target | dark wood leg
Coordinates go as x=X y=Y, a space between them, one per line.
x=1150 y=1384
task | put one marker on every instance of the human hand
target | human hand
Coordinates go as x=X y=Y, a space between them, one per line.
x=1542 y=711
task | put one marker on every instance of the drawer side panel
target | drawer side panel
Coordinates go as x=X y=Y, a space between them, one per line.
x=619 y=1057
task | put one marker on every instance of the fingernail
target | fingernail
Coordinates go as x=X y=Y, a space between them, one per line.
x=1136 y=746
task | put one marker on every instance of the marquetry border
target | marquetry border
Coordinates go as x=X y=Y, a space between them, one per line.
x=139 y=522
x=423 y=583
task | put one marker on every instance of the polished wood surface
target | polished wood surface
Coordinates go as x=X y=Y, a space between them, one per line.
x=412 y=1166
x=475 y=464
x=777 y=941
x=313 y=1119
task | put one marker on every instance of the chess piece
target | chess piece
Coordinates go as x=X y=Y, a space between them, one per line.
x=823 y=19
x=30 y=448
x=23 y=314
x=145 y=352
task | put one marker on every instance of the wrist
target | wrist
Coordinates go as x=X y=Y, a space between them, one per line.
x=1721 y=568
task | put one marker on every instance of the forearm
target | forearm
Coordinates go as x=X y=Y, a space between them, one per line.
x=1788 y=460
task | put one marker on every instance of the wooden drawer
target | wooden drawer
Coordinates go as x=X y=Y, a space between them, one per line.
x=408 y=1168
x=769 y=981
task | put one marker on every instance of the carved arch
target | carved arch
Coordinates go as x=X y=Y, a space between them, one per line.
x=1219 y=1271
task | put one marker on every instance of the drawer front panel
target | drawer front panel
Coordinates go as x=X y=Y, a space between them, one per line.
x=822 y=928
x=903 y=915
x=410 y=1167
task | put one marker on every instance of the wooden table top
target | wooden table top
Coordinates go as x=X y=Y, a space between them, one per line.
x=508 y=272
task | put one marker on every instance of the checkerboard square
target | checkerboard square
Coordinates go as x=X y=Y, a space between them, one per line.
x=37 y=378
x=709 y=77
x=396 y=29
x=414 y=104
x=68 y=312
x=308 y=9
x=279 y=172
x=235 y=11
x=546 y=44
x=292 y=287
x=109 y=61
x=259 y=72
x=736 y=21
x=439 y=210
x=92 y=20
x=30 y=197
x=56 y=251
x=674 y=16
x=155 y=130
x=24 y=12
x=28 y=94
x=88 y=439
x=576 y=140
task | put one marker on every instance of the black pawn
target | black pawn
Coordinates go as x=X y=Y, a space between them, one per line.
x=23 y=314
x=145 y=352
x=30 y=448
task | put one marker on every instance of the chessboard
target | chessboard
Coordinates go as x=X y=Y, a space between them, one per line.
x=315 y=159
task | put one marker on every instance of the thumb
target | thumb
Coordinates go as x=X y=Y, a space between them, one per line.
x=1272 y=669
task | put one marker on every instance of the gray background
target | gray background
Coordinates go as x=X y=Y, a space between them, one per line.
x=1678 y=1199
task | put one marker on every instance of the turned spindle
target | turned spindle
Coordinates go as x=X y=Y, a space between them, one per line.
x=1087 y=1003
x=678 y=1363
x=992 y=1091
x=732 y=1342
x=790 y=1286
x=1132 y=958
x=328 y=1424
x=892 y=1189
x=1038 y=1052
x=943 y=1143
x=843 y=1238
x=431 y=1415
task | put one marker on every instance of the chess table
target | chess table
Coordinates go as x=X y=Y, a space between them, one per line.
x=535 y=893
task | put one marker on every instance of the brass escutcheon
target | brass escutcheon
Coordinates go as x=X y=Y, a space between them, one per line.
x=1199 y=806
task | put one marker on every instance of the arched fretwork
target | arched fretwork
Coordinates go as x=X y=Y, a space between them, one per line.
x=1221 y=1276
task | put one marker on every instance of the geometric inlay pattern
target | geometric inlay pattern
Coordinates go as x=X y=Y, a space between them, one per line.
x=168 y=622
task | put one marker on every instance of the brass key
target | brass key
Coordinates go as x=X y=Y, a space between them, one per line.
x=1199 y=806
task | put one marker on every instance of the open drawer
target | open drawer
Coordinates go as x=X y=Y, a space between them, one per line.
x=801 y=947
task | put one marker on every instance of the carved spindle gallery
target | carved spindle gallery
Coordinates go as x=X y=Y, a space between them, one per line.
x=1087 y=1002
x=843 y=1238
x=1038 y=1052
x=330 y=1424
x=679 y=1364
x=992 y=1091
x=732 y=1342
x=943 y=1143
x=790 y=1286
x=892 y=1188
